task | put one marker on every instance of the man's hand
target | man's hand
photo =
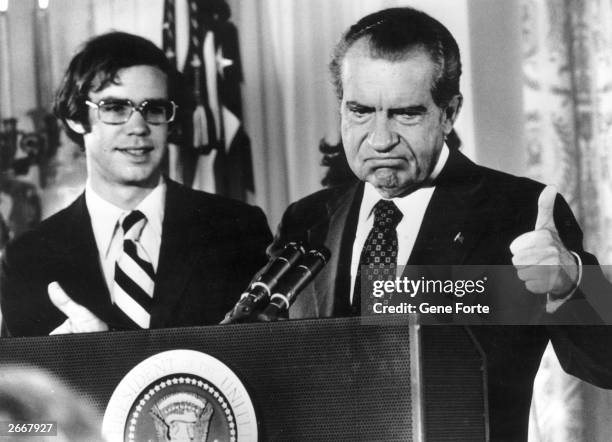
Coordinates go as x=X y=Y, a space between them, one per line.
x=80 y=320
x=540 y=258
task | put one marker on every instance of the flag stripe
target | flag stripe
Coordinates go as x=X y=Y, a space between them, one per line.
x=169 y=31
x=210 y=69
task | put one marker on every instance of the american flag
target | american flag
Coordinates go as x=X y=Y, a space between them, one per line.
x=216 y=155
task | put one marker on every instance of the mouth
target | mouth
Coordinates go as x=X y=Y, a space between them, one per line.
x=135 y=152
x=386 y=162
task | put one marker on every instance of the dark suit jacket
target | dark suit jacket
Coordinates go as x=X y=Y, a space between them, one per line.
x=211 y=247
x=491 y=209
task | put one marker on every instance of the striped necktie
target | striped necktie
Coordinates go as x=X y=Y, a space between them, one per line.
x=134 y=273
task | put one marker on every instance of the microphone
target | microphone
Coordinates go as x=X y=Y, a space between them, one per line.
x=293 y=283
x=263 y=282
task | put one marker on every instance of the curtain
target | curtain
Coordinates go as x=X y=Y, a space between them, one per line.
x=567 y=67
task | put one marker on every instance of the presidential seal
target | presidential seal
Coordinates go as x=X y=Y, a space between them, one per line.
x=180 y=395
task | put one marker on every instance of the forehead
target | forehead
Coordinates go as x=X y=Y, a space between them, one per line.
x=137 y=83
x=378 y=81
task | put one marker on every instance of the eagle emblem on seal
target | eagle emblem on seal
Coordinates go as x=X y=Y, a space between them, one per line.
x=182 y=417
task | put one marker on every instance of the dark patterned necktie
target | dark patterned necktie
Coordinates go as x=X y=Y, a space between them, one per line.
x=378 y=259
x=134 y=273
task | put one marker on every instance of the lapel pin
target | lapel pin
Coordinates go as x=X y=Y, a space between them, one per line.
x=459 y=238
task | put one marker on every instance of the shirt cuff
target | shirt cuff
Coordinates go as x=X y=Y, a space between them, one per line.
x=553 y=304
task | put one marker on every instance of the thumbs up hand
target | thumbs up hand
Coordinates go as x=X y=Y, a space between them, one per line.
x=539 y=256
x=80 y=320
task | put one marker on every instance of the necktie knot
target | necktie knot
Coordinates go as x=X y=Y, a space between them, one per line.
x=133 y=224
x=387 y=214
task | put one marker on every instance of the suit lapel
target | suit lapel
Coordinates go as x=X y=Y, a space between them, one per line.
x=339 y=235
x=183 y=240
x=86 y=284
x=449 y=238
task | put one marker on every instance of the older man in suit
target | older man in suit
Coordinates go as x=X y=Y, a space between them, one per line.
x=135 y=250
x=419 y=202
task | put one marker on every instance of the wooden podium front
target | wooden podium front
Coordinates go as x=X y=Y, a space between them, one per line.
x=309 y=380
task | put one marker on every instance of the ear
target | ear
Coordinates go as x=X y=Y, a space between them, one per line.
x=76 y=126
x=451 y=112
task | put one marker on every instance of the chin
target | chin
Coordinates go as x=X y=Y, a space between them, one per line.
x=396 y=188
x=386 y=178
x=141 y=181
x=141 y=174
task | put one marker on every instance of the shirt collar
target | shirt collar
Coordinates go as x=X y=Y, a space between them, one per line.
x=105 y=216
x=153 y=207
x=442 y=159
x=371 y=195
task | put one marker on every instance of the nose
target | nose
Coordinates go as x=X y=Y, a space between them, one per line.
x=137 y=125
x=382 y=137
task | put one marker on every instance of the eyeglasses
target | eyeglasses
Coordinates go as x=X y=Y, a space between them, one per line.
x=119 y=111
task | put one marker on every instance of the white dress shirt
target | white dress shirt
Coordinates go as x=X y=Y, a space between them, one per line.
x=413 y=208
x=109 y=236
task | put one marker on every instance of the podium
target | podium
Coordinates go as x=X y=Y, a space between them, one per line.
x=308 y=380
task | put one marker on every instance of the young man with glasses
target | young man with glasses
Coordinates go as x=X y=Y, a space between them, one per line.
x=135 y=250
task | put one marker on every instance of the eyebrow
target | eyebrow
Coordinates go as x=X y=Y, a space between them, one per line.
x=112 y=99
x=416 y=109
x=115 y=98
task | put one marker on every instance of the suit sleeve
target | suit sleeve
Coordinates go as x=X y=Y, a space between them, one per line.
x=254 y=236
x=591 y=304
x=26 y=308
x=284 y=233
x=258 y=237
x=303 y=222
x=583 y=350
